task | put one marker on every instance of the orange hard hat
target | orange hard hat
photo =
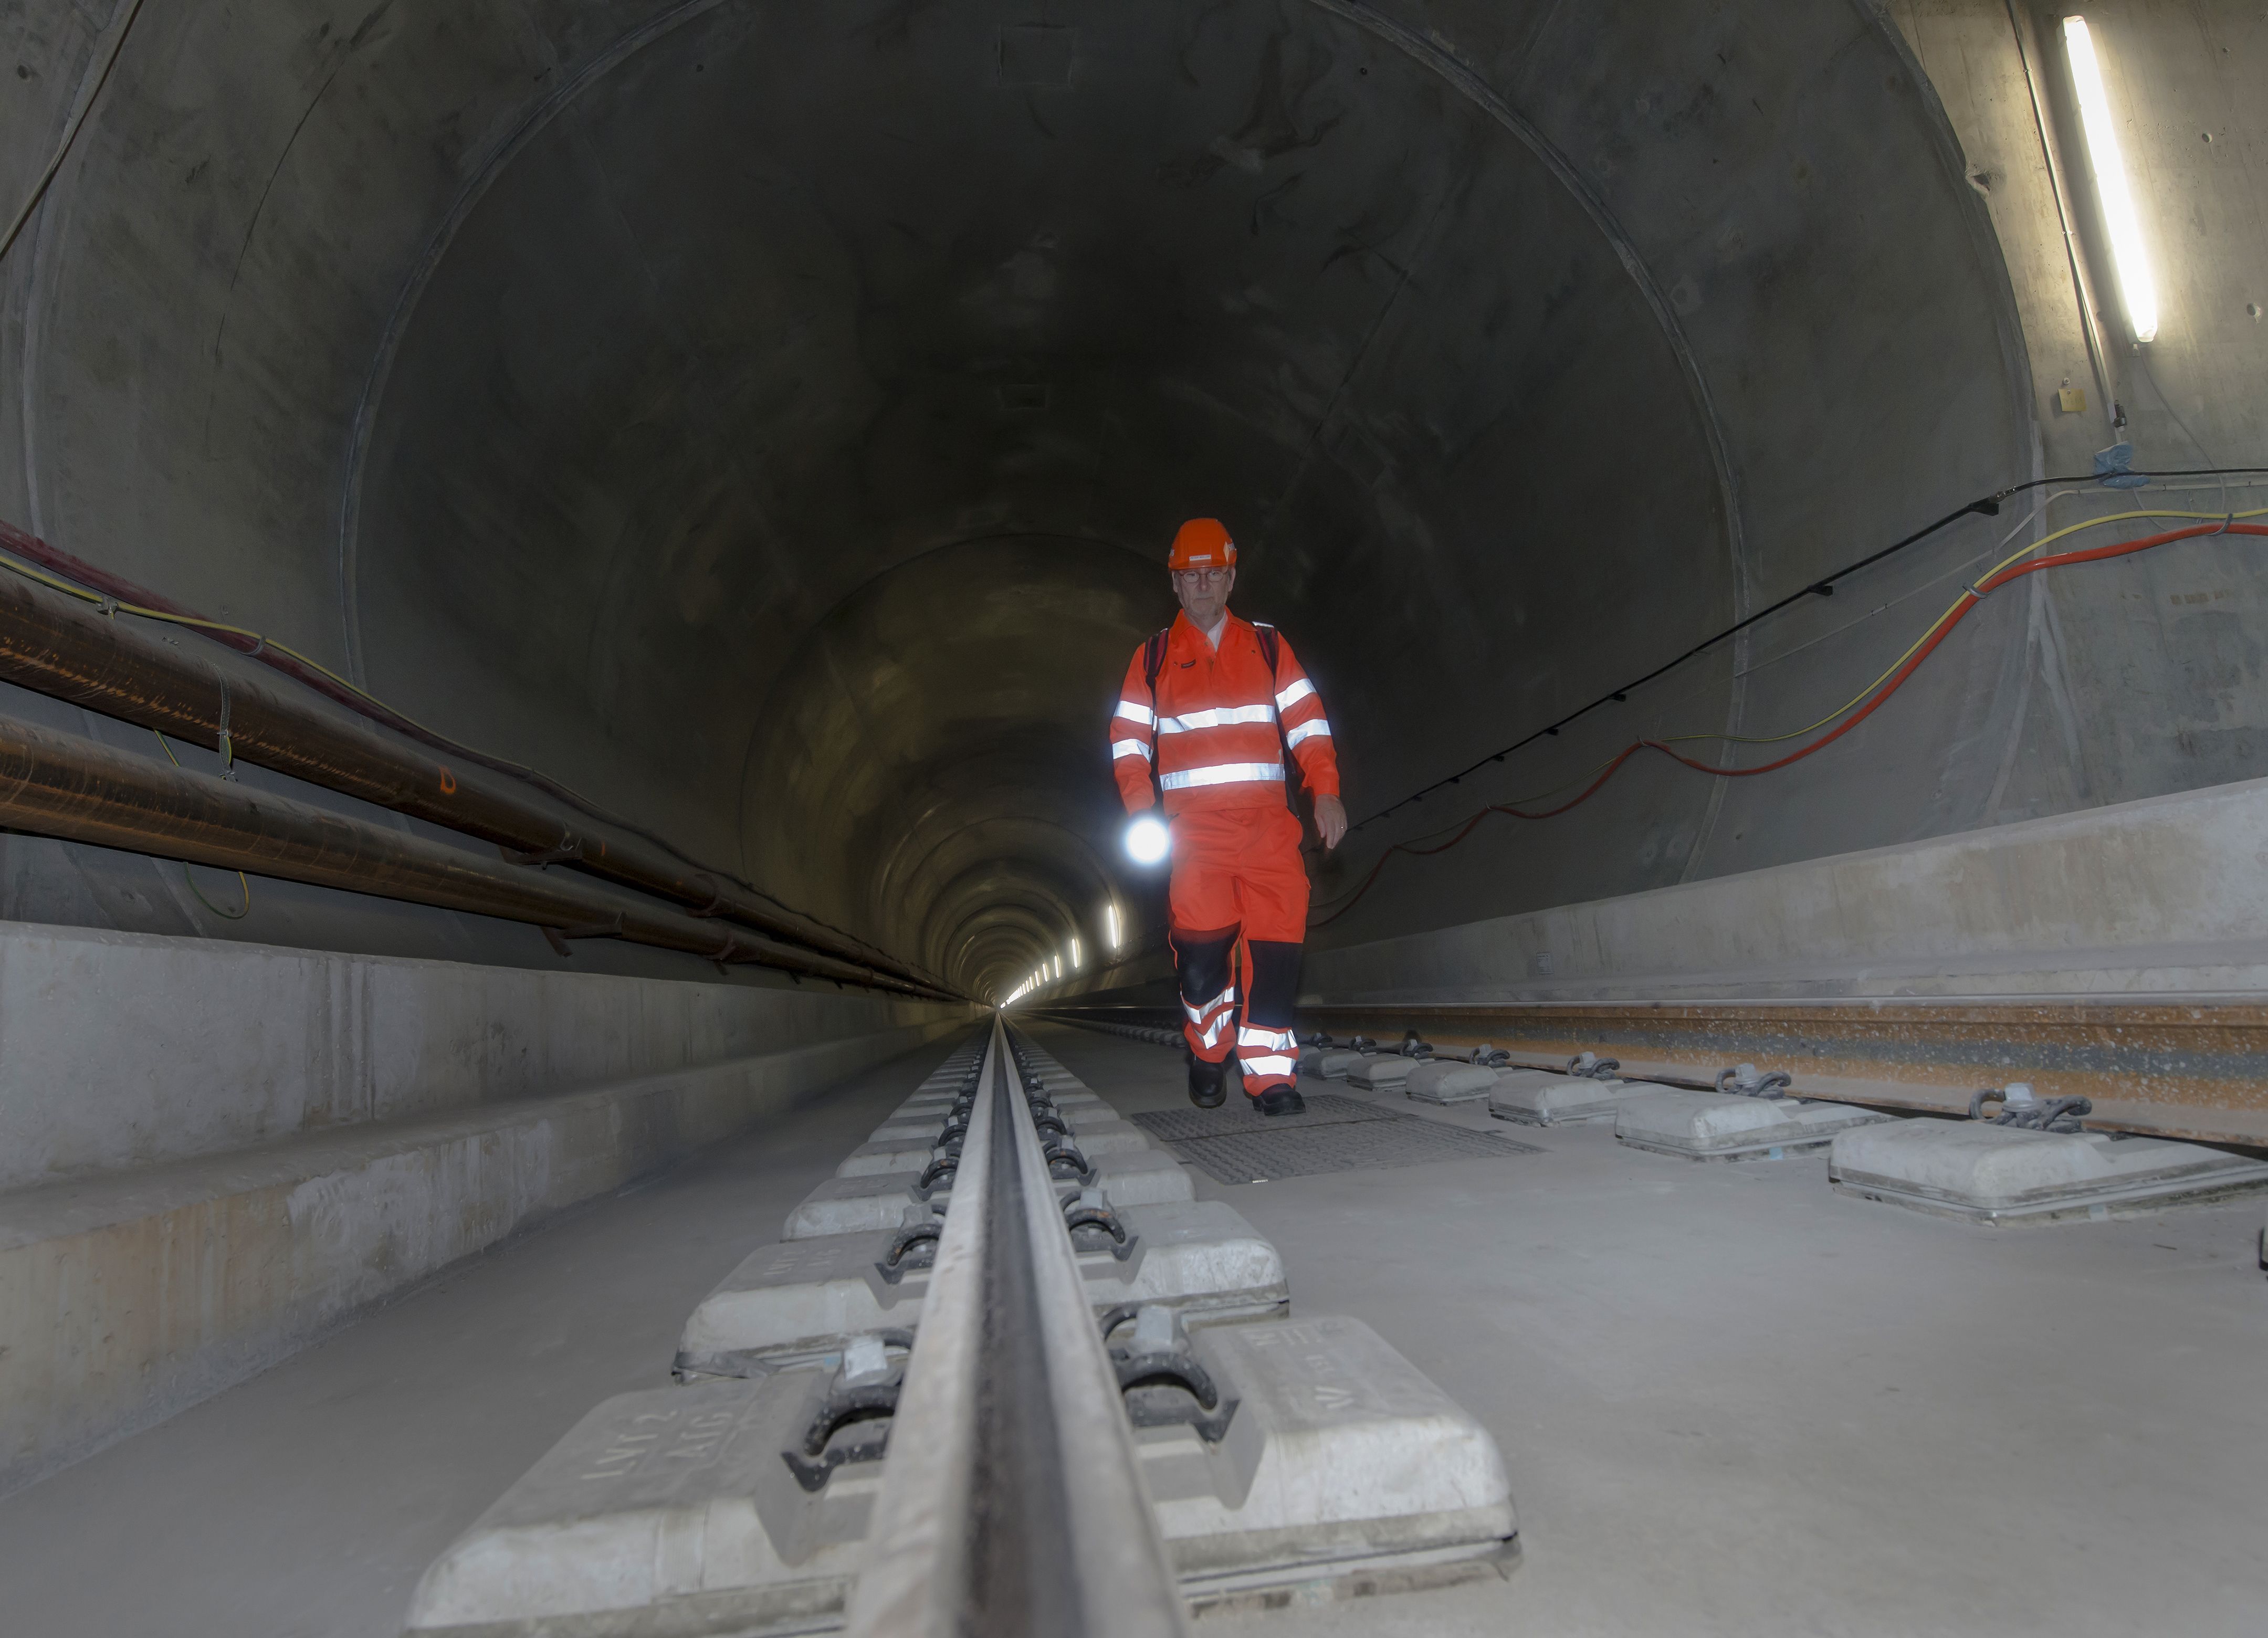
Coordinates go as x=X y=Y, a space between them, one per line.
x=1202 y=543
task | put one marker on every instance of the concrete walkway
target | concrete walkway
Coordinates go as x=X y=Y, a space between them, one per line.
x=306 y=1502
x=1731 y=1401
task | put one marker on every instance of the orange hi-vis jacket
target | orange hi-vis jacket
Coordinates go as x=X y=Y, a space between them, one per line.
x=1210 y=730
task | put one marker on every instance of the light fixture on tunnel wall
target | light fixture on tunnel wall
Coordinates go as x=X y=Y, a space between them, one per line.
x=1147 y=839
x=1110 y=922
x=2137 y=286
x=1075 y=962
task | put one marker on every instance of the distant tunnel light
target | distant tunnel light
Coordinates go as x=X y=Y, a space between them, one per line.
x=1110 y=920
x=1075 y=955
x=2136 y=285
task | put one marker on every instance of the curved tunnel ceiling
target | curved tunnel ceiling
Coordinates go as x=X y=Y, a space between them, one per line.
x=811 y=398
x=772 y=419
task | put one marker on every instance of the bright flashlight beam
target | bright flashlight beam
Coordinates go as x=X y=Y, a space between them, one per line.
x=1147 y=839
x=2136 y=284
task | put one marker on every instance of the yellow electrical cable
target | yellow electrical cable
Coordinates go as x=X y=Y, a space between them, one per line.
x=230 y=915
x=1861 y=698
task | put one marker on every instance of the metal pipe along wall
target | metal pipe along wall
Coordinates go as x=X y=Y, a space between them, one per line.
x=60 y=784
x=52 y=646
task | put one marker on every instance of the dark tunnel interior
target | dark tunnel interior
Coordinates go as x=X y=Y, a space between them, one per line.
x=773 y=421
x=851 y=382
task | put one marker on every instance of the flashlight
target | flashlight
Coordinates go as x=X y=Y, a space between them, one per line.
x=1147 y=839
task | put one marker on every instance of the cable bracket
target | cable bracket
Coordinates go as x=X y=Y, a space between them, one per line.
x=570 y=847
x=611 y=928
x=227 y=746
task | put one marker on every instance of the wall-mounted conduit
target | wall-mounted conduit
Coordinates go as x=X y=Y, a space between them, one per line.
x=53 y=641
x=65 y=786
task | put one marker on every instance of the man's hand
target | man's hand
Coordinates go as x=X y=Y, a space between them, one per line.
x=1331 y=821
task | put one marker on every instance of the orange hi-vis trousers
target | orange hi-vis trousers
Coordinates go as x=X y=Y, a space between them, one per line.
x=1240 y=891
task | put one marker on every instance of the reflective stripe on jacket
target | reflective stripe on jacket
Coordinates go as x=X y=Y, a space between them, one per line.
x=1210 y=730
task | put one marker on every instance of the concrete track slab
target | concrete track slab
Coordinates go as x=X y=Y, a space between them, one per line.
x=1732 y=1401
x=1729 y=1400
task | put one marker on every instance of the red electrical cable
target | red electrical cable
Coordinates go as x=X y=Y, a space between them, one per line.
x=1969 y=600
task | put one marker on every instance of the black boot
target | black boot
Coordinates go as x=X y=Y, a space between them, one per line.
x=1208 y=1082
x=1280 y=1101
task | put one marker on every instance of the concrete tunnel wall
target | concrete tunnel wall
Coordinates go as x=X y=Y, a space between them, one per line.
x=769 y=421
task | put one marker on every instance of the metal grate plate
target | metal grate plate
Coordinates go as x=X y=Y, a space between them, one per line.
x=1232 y=1119
x=1291 y=1146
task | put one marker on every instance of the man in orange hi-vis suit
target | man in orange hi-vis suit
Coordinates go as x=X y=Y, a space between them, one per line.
x=1209 y=708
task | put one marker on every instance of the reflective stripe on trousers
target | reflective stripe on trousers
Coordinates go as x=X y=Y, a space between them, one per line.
x=1200 y=1013
x=1267 y=1054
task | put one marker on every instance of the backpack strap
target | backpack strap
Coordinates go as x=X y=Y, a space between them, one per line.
x=1153 y=662
x=1270 y=647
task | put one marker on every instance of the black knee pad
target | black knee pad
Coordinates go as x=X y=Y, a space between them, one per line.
x=1201 y=961
x=1272 y=989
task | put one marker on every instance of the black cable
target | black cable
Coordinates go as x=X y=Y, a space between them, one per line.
x=1985 y=505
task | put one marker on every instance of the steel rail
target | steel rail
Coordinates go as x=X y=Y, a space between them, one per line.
x=68 y=786
x=1012 y=1501
x=2194 y=1068
x=312 y=730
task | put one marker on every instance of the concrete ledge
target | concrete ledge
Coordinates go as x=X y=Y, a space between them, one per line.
x=130 y=1050
x=128 y=1298
x=2160 y=899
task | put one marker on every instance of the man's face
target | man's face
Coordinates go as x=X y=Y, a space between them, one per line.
x=1204 y=593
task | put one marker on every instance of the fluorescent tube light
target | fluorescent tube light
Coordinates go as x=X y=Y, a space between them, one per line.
x=2136 y=286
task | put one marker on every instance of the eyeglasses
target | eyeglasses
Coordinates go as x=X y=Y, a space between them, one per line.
x=1202 y=577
